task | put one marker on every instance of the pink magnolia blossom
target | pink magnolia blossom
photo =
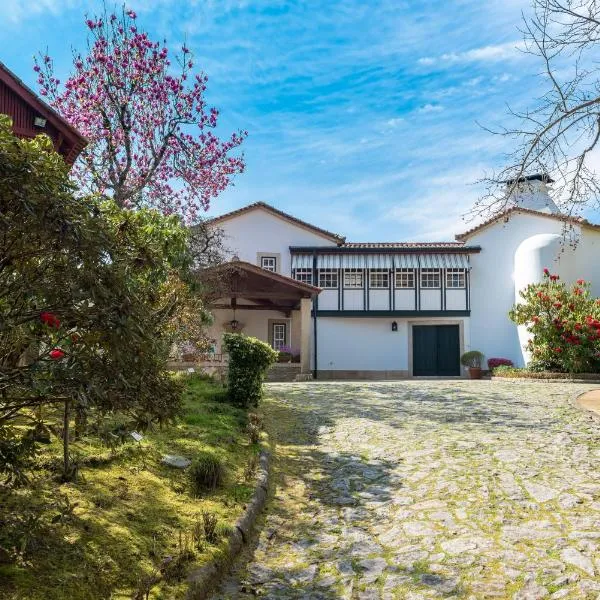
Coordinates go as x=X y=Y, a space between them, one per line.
x=150 y=132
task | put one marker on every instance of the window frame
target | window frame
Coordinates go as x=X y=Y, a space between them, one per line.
x=333 y=273
x=268 y=258
x=461 y=273
x=274 y=338
x=397 y=279
x=354 y=272
x=377 y=272
x=422 y=280
x=304 y=271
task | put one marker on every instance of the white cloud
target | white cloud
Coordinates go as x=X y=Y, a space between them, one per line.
x=430 y=108
x=494 y=53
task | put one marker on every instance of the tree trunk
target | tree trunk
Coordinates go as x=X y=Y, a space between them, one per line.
x=66 y=462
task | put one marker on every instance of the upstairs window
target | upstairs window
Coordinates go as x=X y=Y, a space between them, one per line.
x=269 y=263
x=431 y=278
x=303 y=275
x=328 y=278
x=456 y=279
x=405 y=279
x=353 y=278
x=379 y=279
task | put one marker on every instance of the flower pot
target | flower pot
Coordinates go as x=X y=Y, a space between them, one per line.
x=475 y=372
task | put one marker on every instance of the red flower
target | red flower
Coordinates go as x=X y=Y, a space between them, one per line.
x=56 y=354
x=554 y=277
x=578 y=291
x=580 y=281
x=557 y=349
x=535 y=319
x=49 y=319
x=557 y=305
x=546 y=272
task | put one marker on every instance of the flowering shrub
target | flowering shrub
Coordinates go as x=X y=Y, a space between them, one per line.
x=494 y=363
x=564 y=323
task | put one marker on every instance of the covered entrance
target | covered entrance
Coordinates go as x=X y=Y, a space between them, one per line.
x=263 y=304
x=436 y=350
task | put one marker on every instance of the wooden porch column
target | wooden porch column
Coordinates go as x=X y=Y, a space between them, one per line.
x=305 y=306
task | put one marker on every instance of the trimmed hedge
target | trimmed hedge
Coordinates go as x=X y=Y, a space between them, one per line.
x=249 y=360
x=515 y=373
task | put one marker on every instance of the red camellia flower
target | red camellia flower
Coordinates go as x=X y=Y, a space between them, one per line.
x=557 y=349
x=56 y=354
x=578 y=291
x=546 y=272
x=557 y=305
x=554 y=277
x=580 y=281
x=47 y=318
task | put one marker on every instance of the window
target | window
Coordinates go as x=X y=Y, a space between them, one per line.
x=269 y=263
x=379 y=278
x=455 y=278
x=405 y=278
x=303 y=275
x=430 y=278
x=279 y=335
x=328 y=278
x=353 y=278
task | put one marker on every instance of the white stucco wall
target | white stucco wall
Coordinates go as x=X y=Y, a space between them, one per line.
x=369 y=344
x=259 y=231
x=493 y=281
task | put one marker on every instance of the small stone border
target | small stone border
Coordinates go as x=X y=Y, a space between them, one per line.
x=204 y=580
x=545 y=380
x=593 y=408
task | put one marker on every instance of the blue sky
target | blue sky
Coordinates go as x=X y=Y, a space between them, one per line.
x=362 y=115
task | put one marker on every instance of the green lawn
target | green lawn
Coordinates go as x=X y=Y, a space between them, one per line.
x=127 y=517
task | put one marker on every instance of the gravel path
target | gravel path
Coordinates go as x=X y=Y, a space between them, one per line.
x=427 y=489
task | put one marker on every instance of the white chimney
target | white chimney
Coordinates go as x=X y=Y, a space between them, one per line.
x=532 y=192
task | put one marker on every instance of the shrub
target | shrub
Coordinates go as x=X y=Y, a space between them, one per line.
x=471 y=359
x=564 y=323
x=207 y=472
x=249 y=360
x=494 y=363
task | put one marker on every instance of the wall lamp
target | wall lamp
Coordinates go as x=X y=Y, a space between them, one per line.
x=394 y=326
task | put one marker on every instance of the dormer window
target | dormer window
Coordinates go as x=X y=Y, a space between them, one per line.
x=269 y=263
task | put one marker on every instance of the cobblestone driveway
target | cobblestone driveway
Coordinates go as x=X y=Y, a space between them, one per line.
x=428 y=489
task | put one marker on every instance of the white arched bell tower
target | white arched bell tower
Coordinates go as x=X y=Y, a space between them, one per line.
x=539 y=252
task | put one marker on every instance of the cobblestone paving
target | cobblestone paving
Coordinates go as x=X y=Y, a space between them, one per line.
x=428 y=489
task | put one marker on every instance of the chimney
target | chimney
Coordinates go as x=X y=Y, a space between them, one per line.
x=532 y=192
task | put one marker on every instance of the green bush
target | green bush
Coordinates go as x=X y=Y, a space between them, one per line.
x=207 y=472
x=564 y=324
x=249 y=360
x=472 y=359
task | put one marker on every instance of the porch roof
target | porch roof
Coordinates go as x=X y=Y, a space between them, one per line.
x=240 y=279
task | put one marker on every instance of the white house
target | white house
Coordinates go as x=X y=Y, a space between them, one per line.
x=395 y=310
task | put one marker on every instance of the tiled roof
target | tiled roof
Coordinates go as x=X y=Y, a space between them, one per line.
x=334 y=237
x=400 y=245
x=461 y=237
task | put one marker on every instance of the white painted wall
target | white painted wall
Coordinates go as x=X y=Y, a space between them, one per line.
x=493 y=282
x=259 y=231
x=357 y=344
x=405 y=299
x=354 y=300
x=328 y=300
x=431 y=299
x=379 y=300
x=456 y=299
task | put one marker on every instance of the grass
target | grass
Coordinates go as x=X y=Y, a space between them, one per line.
x=127 y=519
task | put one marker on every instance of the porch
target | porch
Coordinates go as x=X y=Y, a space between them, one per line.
x=266 y=305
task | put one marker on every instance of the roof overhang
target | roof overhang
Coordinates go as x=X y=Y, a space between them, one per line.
x=450 y=249
x=239 y=279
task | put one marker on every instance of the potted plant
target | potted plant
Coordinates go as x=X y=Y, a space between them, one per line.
x=472 y=360
x=285 y=354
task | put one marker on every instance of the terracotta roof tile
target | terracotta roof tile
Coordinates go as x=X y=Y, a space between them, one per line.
x=334 y=237
x=461 y=237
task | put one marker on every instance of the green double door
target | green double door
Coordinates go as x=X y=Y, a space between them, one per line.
x=436 y=350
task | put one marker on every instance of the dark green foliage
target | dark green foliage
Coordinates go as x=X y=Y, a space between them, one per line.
x=249 y=360
x=92 y=298
x=207 y=472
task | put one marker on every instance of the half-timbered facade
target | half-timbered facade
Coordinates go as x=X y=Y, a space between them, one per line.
x=394 y=310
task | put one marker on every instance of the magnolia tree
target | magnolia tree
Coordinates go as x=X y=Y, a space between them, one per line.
x=564 y=323
x=150 y=131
